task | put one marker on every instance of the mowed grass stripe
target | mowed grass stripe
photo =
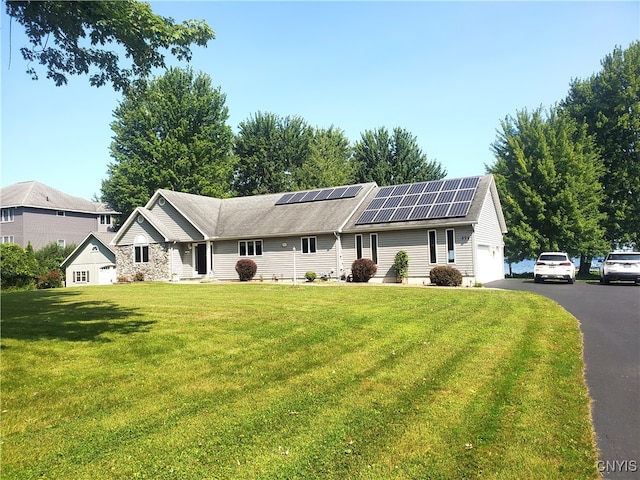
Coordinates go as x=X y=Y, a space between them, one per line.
x=187 y=381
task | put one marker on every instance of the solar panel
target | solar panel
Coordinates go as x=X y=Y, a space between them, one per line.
x=464 y=195
x=417 y=188
x=324 y=194
x=445 y=197
x=459 y=209
x=310 y=196
x=392 y=202
x=439 y=210
x=471 y=182
x=319 y=195
x=427 y=198
x=401 y=214
x=451 y=184
x=434 y=186
x=383 y=215
x=284 y=199
x=337 y=193
x=421 y=201
x=409 y=200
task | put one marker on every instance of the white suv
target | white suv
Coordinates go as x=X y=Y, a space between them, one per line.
x=620 y=266
x=554 y=265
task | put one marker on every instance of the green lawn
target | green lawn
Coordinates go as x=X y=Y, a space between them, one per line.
x=266 y=381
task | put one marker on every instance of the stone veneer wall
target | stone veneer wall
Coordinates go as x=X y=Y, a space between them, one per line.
x=156 y=269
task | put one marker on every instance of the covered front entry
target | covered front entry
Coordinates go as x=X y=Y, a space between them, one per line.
x=201 y=259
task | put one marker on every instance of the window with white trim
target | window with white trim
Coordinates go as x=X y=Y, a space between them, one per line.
x=250 y=248
x=141 y=249
x=374 y=247
x=62 y=243
x=7 y=239
x=7 y=215
x=81 y=276
x=433 y=255
x=105 y=219
x=451 y=251
x=309 y=244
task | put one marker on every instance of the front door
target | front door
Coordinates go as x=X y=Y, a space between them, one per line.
x=201 y=259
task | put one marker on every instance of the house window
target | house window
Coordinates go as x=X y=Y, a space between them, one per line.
x=62 y=243
x=7 y=239
x=451 y=253
x=433 y=258
x=142 y=253
x=358 y=246
x=308 y=244
x=374 y=247
x=105 y=219
x=141 y=249
x=250 y=248
x=7 y=215
x=81 y=276
x=60 y=213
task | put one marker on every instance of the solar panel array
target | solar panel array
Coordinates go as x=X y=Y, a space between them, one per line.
x=421 y=201
x=318 y=195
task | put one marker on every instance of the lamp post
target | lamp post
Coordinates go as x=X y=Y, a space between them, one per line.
x=294 y=267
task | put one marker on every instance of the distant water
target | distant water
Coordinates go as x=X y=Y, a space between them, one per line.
x=520 y=267
x=526 y=266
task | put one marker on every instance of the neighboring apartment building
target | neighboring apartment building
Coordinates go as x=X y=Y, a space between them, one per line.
x=36 y=213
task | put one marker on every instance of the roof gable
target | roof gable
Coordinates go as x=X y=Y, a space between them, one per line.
x=103 y=237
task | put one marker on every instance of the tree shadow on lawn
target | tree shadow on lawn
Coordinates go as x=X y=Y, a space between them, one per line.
x=48 y=316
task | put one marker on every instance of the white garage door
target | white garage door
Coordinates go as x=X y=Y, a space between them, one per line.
x=489 y=264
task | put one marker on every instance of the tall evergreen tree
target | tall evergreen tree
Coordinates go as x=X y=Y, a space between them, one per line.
x=393 y=158
x=548 y=175
x=609 y=103
x=170 y=133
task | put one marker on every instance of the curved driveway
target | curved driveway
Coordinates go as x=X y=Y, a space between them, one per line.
x=609 y=318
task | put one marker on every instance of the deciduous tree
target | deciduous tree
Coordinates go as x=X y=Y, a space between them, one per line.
x=76 y=37
x=393 y=158
x=609 y=103
x=170 y=133
x=548 y=175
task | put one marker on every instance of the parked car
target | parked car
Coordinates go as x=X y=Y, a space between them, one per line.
x=554 y=265
x=620 y=266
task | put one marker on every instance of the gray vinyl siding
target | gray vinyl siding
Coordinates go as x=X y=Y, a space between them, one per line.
x=144 y=228
x=415 y=243
x=177 y=226
x=276 y=259
x=488 y=227
x=42 y=226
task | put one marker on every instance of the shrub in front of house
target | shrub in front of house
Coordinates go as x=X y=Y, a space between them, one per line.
x=246 y=269
x=445 y=276
x=363 y=269
x=310 y=276
x=53 y=279
x=138 y=277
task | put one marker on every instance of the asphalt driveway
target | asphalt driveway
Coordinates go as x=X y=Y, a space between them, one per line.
x=609 y=318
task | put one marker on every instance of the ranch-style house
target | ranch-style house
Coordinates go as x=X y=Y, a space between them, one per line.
x=456 y=222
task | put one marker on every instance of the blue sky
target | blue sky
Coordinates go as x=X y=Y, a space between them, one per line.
x=448 y=72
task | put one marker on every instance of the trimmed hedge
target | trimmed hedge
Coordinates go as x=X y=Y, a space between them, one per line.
x=445 y=276
x=363 y=269
x=246 y=269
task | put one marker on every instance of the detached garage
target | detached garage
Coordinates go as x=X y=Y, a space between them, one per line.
x=93 y=262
